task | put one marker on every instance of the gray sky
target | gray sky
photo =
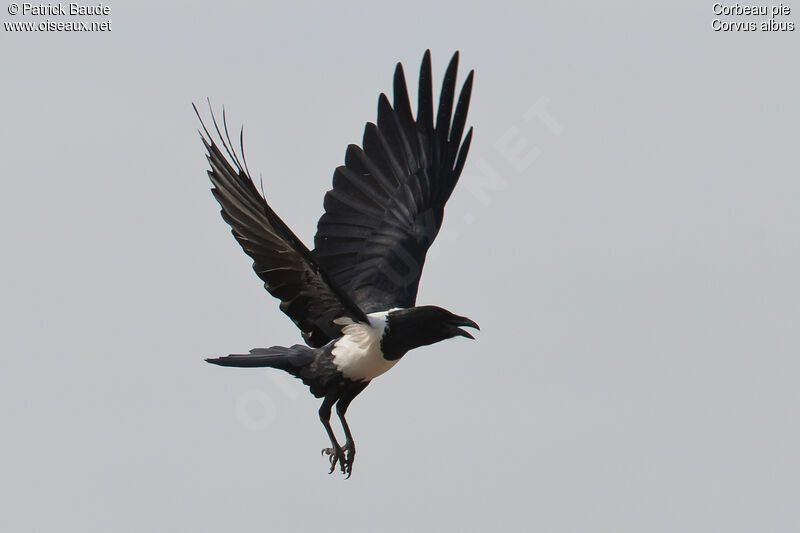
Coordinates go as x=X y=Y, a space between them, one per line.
x=625 y=232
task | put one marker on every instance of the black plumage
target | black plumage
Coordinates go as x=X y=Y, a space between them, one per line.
x=387 y=201
x=353 y=297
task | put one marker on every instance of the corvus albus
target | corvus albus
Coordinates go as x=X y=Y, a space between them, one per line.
x=353 y=296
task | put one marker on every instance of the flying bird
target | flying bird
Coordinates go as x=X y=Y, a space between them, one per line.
x=353 y=296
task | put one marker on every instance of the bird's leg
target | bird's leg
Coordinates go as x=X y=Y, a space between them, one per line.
x=349 y=445
x=341 y=409
x=335 y=453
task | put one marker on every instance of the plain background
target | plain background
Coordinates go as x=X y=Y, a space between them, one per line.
x=625 y=232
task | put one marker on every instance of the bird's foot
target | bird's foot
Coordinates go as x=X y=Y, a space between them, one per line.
x=343 y=456
x=350 y=449
x=335 y=455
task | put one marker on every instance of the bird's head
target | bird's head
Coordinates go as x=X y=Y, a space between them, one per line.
x=420 y=326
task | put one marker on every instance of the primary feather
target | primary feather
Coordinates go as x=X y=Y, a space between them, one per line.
x=289 y=271
x=387 y=201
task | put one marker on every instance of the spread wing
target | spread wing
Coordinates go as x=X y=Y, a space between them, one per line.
x=280 y=259
x=387 y=201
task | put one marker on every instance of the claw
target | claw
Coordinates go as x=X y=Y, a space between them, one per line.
x=336 y=455
x=350 y=449
x=344 y=456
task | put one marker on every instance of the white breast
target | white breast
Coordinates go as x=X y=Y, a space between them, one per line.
x=358 y=354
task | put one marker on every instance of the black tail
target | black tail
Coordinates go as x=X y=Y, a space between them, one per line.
x=288 y=359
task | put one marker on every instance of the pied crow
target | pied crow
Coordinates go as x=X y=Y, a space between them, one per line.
x=353 y=296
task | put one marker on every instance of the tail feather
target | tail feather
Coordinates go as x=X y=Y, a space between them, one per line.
x=289 y=359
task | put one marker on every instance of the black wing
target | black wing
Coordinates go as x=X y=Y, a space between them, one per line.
x=387 y=201
x=280 y=259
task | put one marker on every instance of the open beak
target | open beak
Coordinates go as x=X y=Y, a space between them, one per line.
x=464 y=321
